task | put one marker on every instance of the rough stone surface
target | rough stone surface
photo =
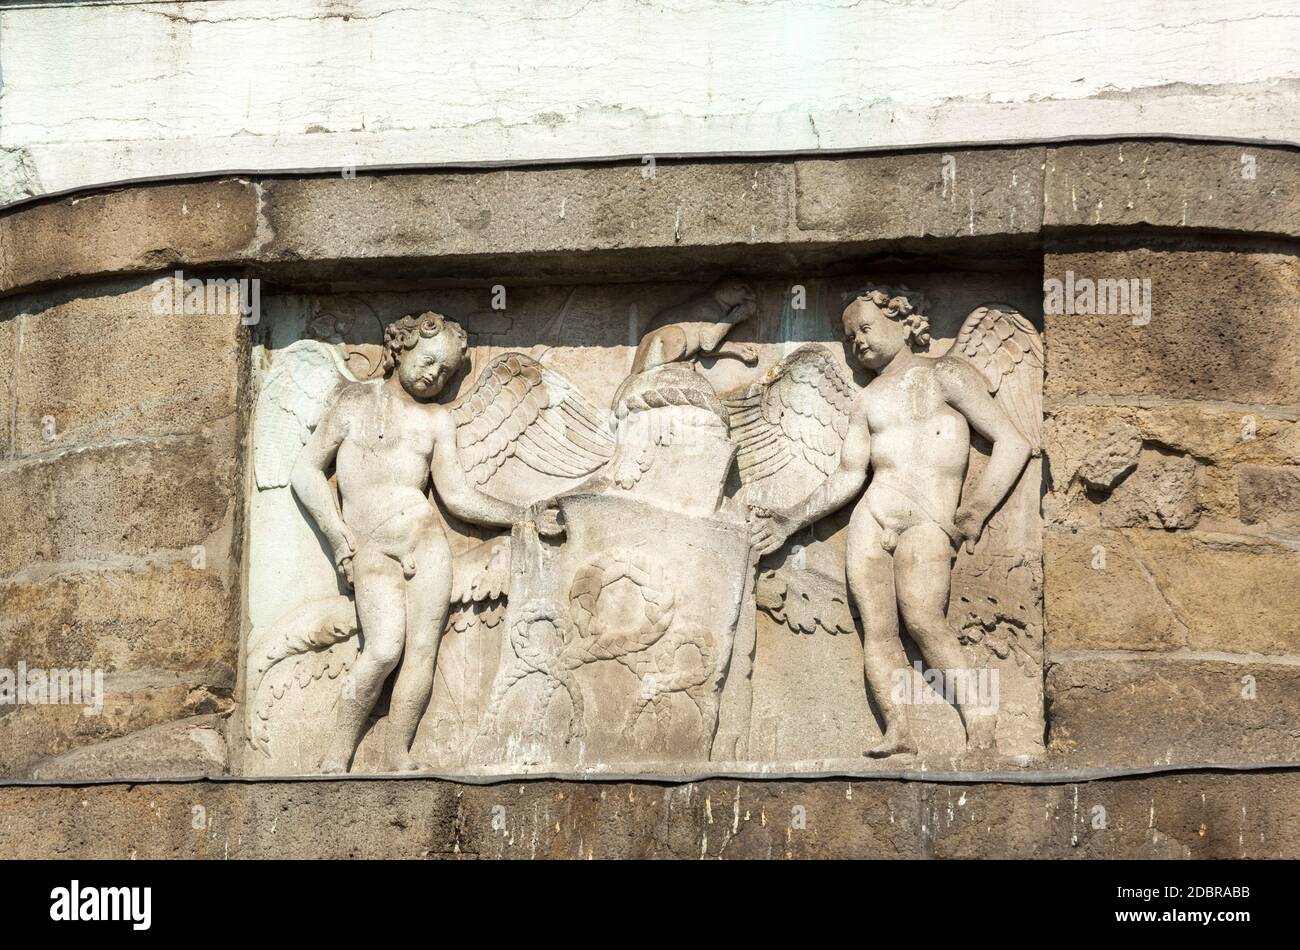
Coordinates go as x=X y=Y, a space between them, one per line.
x=426 y=215
x=188 y=748
x=136 y=229
x=1270 y=494
x=1153 y=590
x=167 y=616
x=1224 y=325
x=1173 y=185
x=134 y=499
x=1113 y=455
x=956 y=194
x=1116 y=710
x=31 y=733
x=1242 y=815
x=1202 y=815
x=1160 y=493
x=8 y=363
x=1223 y=440
x=151 y=375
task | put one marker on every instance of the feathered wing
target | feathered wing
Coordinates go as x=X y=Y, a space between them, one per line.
x=298 y=387
x=519 y=409
x=799 y=411
x=1008 y=352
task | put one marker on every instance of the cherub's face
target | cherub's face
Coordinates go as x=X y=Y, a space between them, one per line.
x=424 y=369
x=873 y=336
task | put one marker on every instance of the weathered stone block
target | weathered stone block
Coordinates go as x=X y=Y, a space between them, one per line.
x=961 y=194
x=1270 y=494
x=430 y=818
x=1151 y=590
x=1222 y=440
x=170 y=617
x=190 y=747
x=1160 y=493
x=531 y=210
x=129 y=230
x=1205 y=815
x=1112 y=456
x=8 y=361
x=1173 y=185
x=1224 y=325
x=135 y=500
x=32 y=732
x=151 y=374
x=1112 y=711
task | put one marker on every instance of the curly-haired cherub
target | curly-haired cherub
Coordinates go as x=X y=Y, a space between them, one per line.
x=911 y=426
x=384 y=441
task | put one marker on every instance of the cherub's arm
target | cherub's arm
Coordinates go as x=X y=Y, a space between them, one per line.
x=965 y=390
x=745 y=352
x=312 y=487
x=462 y=499
x=840 y=487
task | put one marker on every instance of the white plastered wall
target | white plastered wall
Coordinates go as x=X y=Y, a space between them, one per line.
x=98 y=91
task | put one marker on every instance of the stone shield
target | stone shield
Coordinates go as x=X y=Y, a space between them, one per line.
x=618 y=639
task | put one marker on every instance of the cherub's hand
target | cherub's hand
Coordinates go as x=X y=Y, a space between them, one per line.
x=344 y=549
x=748 y=353
x=768 y=530
x=345 y=570
x=969 y=525
x=545 y=516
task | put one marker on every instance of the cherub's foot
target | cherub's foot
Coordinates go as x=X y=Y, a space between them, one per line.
x=981 y=733
x=895 y=741
x=402 y=762
x=333 y=765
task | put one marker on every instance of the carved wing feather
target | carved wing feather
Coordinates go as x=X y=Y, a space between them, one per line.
x=298 y=387
x=1008 y=352
x=800 y=409
x=520 y=409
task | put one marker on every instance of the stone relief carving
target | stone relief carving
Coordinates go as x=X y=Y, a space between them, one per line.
x=653 y=549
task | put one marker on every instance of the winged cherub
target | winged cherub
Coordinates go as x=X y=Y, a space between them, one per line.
x=911 y=427
x=520 y=434
x=385 y=441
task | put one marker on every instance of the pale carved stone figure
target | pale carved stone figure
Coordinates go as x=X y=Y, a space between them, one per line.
x=910 y=428
x=699 y=327
x=386 y=441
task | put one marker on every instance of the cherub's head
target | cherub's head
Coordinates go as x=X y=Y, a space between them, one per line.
x=424 y=351
x=736 y=297
x=880 y=321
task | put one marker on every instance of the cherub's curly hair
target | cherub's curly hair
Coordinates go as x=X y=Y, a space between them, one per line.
x=401 y=335
x=903 y=305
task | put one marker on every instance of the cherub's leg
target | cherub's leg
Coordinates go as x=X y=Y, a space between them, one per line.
x=428 y=597
x=923 y=565
x=381 y=610
x=871 y=582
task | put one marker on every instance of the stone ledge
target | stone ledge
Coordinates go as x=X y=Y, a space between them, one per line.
x=274 y=224
x=1201 y=815
x=1169 y=184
